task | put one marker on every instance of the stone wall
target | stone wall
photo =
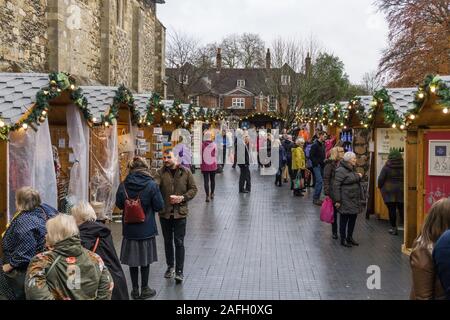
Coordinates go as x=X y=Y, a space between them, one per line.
x=149 y=54
x=23 y=36
x=109 y=42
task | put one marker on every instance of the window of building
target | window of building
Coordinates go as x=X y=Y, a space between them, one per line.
x=238 y=103
x=273 y=103
x=285 y=80
x=221 y=101
x=183 y=78
x=196 y=100
x=241 y=83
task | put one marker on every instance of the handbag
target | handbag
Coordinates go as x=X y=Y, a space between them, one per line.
x=125 y=143
x=327 y=211
x=133 y=212
x=299 y=182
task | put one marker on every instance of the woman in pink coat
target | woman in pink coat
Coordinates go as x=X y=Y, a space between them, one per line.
x=209 y=164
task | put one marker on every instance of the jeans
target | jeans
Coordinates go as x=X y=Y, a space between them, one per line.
x=244 y=179
x=392 y=207
x=207 y=177
x=174 y=229
x=318 y=182
x=347 y=225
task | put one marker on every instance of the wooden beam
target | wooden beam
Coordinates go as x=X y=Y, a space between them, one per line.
x=411 y=188
x=3 y=187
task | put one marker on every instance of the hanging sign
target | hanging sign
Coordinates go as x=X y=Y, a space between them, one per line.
x=439 y=158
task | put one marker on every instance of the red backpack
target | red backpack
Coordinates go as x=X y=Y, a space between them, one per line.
x=133 y=211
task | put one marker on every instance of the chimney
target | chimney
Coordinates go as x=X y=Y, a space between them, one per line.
x=268 y=59
x=219 y=59
x=308 y=65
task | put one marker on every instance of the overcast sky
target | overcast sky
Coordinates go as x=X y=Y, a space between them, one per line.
x=351 y=29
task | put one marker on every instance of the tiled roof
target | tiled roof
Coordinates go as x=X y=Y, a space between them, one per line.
x=365 y=102
x=99 y=98
x=18 y=93
x=141 y=102
x=402 y=98
x=446 y=79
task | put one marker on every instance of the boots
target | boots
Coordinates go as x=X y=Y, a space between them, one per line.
x=345 y=243
x=352 y=242
x=393 y=231
x=207 y=198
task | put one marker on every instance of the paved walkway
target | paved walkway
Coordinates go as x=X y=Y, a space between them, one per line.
x=270 y=245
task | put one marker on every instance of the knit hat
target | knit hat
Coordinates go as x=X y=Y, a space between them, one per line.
x=394 y=154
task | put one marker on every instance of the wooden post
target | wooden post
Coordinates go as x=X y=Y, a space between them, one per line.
x=411 y=192
x=3 y=187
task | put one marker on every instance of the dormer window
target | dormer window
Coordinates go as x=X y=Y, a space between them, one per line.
x=285 y=80
x=240 y=83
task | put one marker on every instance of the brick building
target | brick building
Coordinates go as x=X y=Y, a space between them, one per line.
x=107 y=42
x=242 y=91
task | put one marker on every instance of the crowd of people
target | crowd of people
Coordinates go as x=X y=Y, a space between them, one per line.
x=49 y=255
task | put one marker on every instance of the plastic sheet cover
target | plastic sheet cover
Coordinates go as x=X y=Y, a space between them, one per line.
x=31 y=164
x=78 y=132
x=105 y=177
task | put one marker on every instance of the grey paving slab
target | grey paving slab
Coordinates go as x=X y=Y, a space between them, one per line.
x=269 y=245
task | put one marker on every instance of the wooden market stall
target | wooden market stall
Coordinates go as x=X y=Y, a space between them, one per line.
x=113 y=142
x=39 y=154
x=387 y=111
x=427 y=171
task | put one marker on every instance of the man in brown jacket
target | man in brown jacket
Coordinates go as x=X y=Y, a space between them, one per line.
x=177 y=187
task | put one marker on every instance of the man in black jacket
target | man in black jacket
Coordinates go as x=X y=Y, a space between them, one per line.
x=244 y=164
x=317 y=156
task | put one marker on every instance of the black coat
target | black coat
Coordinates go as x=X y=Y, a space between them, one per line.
x=288 y=145
x=390 y=181
x=317 y=154
x=329 y=173
x=139 y=183
x=347 y=189
x=89 y=232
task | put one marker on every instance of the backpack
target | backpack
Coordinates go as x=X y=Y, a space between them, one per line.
x=133 y=211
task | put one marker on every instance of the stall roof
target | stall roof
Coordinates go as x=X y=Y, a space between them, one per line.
x=99 y=98
x=141 y=102
x=18 y=93
x=402 y=98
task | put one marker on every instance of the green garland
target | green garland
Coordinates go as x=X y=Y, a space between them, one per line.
x=59 y=82
x=431 y=85
x=123 y=97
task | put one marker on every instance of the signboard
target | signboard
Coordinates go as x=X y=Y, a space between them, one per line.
x=439 y=158
x=436 y=171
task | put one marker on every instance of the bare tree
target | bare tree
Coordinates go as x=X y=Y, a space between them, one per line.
x=372 y=82
x=231 y=51
x=419 y=40
x=283 y=79
x=188 y=66
x=252 y=50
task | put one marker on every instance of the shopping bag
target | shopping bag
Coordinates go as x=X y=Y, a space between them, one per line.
x=125 y=143
x=327 y=211
x=299 y=182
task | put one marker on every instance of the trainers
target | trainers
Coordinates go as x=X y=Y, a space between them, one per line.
x=135 y=294
x=147 y=293
x=170 y=272
x=179 y=277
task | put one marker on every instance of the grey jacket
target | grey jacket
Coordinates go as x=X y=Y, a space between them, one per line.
x=347 y=189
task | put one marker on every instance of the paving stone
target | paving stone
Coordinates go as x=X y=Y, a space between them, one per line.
x=268 y=245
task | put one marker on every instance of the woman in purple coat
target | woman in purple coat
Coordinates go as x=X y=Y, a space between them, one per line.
x=209 y=164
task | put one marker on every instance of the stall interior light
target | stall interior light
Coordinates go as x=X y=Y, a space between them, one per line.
x=445 y=110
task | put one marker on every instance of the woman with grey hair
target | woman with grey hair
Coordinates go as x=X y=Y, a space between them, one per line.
x=347 y=196
x=23 y=239
x=97 y=237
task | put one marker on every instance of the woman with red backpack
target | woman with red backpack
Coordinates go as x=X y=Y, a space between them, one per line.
x=140 y=198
